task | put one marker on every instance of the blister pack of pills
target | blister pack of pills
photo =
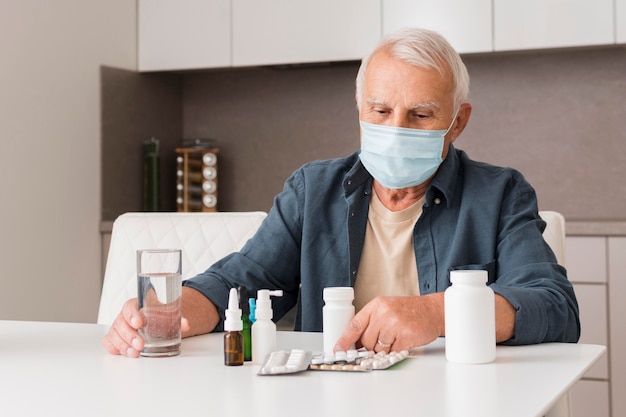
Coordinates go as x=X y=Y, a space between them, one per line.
x=286 y=362
x=356 y=360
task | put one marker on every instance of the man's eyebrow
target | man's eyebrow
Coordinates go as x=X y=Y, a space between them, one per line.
x=376 y=102
x=425 y=105
x=416 y=106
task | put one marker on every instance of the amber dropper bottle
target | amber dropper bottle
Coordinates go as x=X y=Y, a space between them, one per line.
x=233 y=338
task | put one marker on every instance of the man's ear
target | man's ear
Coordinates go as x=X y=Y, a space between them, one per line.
x=462 y=118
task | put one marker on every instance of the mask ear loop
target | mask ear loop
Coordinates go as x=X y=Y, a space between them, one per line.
x=456 y=113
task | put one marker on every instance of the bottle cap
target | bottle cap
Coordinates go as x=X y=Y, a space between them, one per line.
x=233 y=313
x=338 y=293
x=469 y=277
x=244 y=305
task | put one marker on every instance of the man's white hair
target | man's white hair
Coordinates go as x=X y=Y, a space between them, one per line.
x=425 y=49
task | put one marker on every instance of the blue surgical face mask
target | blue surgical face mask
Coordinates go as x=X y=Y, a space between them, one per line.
x=399 y=157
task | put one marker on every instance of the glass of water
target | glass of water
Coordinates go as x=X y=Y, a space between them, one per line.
x=159 y=298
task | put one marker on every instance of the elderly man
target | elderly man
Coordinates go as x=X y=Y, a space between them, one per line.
x=392 y=221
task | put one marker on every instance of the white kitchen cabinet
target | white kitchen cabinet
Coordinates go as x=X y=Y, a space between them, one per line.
x=592 y=303
x=586 y=262
x=620 y=21
x=467 y=25
x=267 y=32
x=585 y=259
x=183 y=34
x=536 y=24
x=617 y=295
x=590 y=398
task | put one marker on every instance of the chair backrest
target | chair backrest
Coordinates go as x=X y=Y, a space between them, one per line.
x=554 y=234
x=203 y=237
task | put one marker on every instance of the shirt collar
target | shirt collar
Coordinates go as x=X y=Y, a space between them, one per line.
x=356 y=176
x=445 y=181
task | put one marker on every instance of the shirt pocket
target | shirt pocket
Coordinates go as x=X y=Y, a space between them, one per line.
x=489 y=267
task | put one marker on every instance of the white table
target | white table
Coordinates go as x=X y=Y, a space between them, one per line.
x=61 y=369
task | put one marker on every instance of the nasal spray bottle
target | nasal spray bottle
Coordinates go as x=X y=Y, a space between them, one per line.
x=264 y=329
x=233 y=338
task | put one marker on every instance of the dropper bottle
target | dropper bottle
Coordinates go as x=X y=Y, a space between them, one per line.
x=233 y=338
x=244 y=305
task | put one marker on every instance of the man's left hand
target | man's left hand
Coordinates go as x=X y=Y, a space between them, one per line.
x=395 y=323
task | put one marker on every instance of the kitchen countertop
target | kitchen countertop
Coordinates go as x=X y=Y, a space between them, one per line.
x=572 y=227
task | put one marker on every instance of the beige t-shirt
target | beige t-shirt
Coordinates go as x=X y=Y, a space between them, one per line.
x=387 y=264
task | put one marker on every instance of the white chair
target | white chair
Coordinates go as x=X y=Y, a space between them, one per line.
x=203 y=237
x=554 y=235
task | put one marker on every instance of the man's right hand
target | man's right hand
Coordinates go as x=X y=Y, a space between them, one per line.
x=123 y=337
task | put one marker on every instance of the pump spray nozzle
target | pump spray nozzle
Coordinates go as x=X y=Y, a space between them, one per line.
x=263 y=309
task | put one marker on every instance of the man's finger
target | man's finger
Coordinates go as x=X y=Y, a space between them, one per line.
x=184 y=325
x=353 y=332
x=131 y=314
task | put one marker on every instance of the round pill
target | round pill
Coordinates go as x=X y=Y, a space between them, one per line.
x=317 y=361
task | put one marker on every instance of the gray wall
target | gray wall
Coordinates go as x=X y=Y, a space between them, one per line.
x=50 y=58
x=555 y=115
x=559 y=118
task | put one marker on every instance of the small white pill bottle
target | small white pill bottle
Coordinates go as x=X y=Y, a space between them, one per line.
x=336 y=314
x=470 y=318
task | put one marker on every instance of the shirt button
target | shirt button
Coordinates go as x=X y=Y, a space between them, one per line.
x=352 y=214
x=437 y=201
x=354 y=272
x=349 y=182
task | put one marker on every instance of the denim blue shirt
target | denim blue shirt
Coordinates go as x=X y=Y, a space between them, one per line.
x=475 y=216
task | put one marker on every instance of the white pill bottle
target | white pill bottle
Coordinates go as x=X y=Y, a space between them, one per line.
x=470 y=318
x=336 y=314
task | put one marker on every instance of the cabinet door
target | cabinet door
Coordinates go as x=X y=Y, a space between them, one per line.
x=534 y=24
x=465 y=24
x=592 y=303
x=620 y=21
x=269 y=32
x=585 y=260
x=183 y=34
x=617 y=295
x=590 y=398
